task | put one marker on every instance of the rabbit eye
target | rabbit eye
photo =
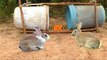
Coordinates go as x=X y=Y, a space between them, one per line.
x=45 y=35
x=75 y=31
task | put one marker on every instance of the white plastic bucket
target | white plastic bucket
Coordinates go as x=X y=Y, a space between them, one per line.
x=33 y=16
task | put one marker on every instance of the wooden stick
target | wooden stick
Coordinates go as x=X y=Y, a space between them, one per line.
x=22 y=17
x=47 y=20
x=63 y=31
x=62 y=3
x=95 y=15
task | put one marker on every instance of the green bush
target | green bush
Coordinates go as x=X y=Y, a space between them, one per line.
x=6 y=9
x=106 y=13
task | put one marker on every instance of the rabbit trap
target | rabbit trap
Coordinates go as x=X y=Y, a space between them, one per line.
x=61 y=27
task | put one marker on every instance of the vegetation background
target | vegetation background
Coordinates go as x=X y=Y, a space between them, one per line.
x=7 y=6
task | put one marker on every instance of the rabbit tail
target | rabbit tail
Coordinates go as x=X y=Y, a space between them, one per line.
x=24 y=47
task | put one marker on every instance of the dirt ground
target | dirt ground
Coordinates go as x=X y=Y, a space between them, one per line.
x=58 y=47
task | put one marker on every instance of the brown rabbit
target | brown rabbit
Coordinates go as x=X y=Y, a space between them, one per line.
x=35 y=41
x=85 y=39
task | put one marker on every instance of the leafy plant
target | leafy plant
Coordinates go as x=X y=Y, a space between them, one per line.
x=6 y=8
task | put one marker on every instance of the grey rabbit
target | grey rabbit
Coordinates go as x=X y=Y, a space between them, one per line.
x=33 y=42
x=85 y=39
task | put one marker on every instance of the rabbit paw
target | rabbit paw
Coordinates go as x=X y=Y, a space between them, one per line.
x=41 y=47
x=80 y=46
x=34 y=48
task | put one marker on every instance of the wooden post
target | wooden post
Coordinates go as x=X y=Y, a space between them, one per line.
x=63 y=31
x=63 y=3
x=95 y=15
x=47 y=17
x=22 y=17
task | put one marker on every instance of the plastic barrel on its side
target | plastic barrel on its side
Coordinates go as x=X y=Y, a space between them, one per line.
x=33 y=16
x=84 y=14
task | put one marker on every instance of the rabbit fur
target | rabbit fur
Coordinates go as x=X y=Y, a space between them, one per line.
x=87 y=39
x=33 y=42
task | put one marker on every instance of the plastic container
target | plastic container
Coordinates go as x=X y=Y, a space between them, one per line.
x=84 y=14
x=33 y=16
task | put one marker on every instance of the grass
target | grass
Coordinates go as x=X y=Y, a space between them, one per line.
x=6 y=20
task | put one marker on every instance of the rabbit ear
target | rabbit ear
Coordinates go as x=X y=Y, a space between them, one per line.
x=79 y=25
x=38 y=31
